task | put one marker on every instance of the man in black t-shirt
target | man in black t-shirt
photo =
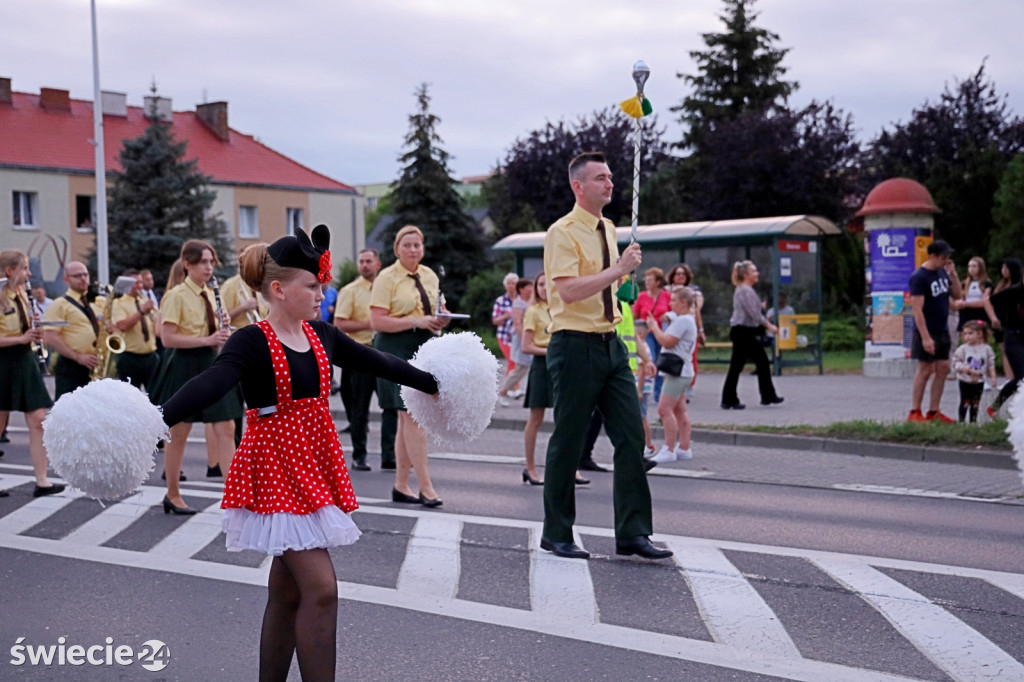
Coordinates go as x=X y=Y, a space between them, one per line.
x=931 y=286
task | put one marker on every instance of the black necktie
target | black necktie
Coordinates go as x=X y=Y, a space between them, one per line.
x=22 y=314
x=211 y=319
x=142 y=321
x=606 y=257
x=423 y=294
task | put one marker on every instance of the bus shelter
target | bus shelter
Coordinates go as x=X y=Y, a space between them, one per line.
x=784 y=248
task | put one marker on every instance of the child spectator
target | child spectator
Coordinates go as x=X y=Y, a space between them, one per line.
x=972 y=361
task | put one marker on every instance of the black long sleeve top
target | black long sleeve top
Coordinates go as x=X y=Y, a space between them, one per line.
x=245 y=359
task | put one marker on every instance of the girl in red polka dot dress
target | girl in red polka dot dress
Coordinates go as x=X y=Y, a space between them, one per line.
x=288 y=492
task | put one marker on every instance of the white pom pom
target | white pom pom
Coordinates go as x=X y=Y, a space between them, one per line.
x=467 y=376
x=1015 y=429
x=100 y=438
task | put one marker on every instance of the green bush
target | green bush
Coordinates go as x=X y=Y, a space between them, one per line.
x=842 y=334
x=481 y=290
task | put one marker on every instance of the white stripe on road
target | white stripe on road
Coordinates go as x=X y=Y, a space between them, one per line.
x=192 y=535
x=115 y=518
x=560 y=589
x=952 y=645
x=431 y=565
x=39 y=509
x=913 y=492
x=732 y=609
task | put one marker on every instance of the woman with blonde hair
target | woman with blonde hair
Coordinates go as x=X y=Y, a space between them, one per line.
x=745 y=327
x=288 y=493
x=403 y=315
x=21 y=383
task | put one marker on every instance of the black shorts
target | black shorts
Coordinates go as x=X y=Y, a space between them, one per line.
x=942 y=347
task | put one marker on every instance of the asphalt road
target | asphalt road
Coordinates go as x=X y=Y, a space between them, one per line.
x=809 y=579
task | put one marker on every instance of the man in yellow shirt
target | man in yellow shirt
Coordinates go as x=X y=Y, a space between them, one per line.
x=134 y=316
x=589 y=367
x=76 y=342
x=352 y=316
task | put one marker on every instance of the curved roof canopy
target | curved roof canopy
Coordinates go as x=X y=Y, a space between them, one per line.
x=725 y=231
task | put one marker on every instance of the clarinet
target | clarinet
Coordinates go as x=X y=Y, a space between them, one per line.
x=42 y=355
x=222 y=314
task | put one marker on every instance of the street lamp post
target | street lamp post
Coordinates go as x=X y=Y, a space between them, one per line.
x=102 y=249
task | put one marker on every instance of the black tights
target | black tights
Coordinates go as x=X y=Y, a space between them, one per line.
x=970 y=398
x=301 y=617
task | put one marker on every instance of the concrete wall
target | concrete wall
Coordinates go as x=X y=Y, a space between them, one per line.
x=52 y=213
x=345 y=215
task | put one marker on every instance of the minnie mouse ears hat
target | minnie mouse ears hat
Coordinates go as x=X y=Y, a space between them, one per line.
x=301 y=252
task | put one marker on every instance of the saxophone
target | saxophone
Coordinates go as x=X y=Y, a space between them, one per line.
x=107 y=345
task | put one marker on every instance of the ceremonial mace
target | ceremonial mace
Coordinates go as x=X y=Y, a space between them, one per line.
x=637 y=107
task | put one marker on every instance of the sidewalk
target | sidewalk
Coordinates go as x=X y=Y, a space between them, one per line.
x=815 y=400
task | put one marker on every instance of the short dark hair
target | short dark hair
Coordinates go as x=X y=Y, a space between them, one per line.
x=375 y=252
x=581 y=160
x=523 y=283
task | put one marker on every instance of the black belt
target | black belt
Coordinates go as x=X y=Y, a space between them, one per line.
x=604 y=337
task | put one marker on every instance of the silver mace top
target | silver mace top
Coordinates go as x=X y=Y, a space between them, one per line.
x=641 y=72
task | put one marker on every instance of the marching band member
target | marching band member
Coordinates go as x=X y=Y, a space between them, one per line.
x=21 y=384
x=192 y=336
x=75 y=343
x=133 y=315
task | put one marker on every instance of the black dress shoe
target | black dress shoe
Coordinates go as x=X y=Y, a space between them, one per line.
x=52 y=489
x=591 y=465
x=641 y=546
x=170 y=508
x=527 y=478
x=347 y=429
x=733 y=406
x=4 y=438
x=568 y=550
x=399 y=496
x=4 y=493
x=427 y=502
x=359 y=464
x=213 y=472
x=582 y=481
x=181 y=476
x=648 y=465
x=777 y=400
x=387 y=465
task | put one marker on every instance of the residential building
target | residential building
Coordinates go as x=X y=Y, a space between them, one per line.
x=48 y=187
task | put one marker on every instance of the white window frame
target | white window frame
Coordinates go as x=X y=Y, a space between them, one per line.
x=294 y=217
x=22 y=204
x=248 y=222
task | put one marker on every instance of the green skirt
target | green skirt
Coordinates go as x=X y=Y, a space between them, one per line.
x=21 y=385
x=402 y=345
x=538 y=387
x=177 y=367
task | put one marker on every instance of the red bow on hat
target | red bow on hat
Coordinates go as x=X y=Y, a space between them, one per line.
x=325 y=267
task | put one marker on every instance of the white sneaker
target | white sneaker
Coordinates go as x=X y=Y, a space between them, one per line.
x=518 y=393
x=648 y=451
x=683 y=454
x=664 y=455
x=504 y=401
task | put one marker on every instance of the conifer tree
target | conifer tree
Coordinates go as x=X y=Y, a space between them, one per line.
x=425 y=196
x=160 y=200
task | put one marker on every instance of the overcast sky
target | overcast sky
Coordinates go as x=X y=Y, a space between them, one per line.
x=330 y=82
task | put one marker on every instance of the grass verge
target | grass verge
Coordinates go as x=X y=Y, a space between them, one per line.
x=990 y=435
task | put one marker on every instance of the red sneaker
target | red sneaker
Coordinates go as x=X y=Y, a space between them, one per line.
x=916 y=416
x=936 y=416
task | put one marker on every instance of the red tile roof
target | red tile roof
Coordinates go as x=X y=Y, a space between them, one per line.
x=34 y=137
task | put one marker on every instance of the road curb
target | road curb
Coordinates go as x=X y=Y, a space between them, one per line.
x=991 y=459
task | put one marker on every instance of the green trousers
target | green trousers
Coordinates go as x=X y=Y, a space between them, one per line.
x=589 y=371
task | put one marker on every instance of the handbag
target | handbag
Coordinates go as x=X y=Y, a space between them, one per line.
x=671 y=364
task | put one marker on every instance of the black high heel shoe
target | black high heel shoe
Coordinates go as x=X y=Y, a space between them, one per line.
x=527 y=478
x=430 y=503
x=169 y=508
x=582 y=481
x=398 y=496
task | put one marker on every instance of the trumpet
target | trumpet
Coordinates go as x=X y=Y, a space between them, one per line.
x=254 y=314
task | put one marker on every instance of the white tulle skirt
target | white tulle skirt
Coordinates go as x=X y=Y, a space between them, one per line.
x=275 y=533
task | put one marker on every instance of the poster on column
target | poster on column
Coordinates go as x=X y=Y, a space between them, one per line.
x=893 y=261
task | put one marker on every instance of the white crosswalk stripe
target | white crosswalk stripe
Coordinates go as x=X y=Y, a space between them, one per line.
x=563 y=601
x=733 y=611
